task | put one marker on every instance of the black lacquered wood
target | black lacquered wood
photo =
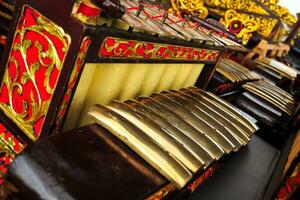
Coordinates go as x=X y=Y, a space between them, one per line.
x=87 y=163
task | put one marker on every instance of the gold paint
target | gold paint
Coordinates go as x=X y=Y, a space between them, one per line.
x=247 y=5
x=5 y=148
x=95 y=20
x=263 y=7
x=281 y=33
x=280 y=11
x=10 y=142
x=39 y=108
x=195 y=7
x=250 y=24
x=157 y=51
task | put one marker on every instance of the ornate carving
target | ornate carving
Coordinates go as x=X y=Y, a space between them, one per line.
x=6 y=158
x=247 y=25
x=71 y=84
x=248 y=9
x=37 y=55
x=9 y=140
x=120 y=48
x=247 y=5
x=86 y=12
x=195 y=7
x=295 y=38
x=280 y=11
x=9 y=146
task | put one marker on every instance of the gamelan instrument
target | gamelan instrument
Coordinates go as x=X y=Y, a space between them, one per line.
x=273 y=94
x=167 y=151
x=276 y=72
x=230 y=75
x=268 y=103
x=236 y=72
x=277 y=67
x=109 y=62
x=162 y=137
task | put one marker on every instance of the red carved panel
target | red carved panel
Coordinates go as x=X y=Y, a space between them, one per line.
x=5 y=160
x=290 y=185
x=37 y=55
x=10 y=140
x=121 y=48
x=72 y=81
x=9 y=147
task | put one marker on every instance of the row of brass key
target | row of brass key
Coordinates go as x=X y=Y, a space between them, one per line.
x=236 y=72
x=156 y=20
x=178 y=132
x=276 y=66
x=273 y=94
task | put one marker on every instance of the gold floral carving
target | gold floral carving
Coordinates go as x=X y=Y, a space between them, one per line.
x=266 y=24
x=195 y=7
x=8 y=151
x=247 y=5
x=250 y=25
x=280 y=11
x=121 y=48
x=46 y=29
x=11 y=143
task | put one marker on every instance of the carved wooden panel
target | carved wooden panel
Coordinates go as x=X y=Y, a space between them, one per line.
x=38 y=51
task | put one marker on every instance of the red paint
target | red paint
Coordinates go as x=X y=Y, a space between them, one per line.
x=118 y=48
x=29 y=92
x=88 y=10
